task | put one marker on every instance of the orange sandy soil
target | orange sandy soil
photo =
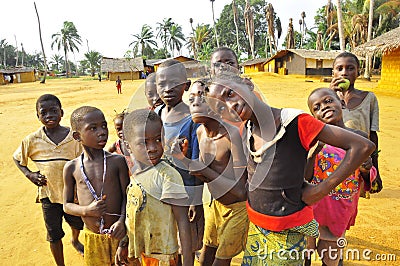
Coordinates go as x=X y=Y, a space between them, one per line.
x=22 y=231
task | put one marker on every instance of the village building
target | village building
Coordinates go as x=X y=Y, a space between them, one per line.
x=387 y=45
x=194 y=68
x=254 y=65
x=301 y=62
x=125 y=68
x=17 y=75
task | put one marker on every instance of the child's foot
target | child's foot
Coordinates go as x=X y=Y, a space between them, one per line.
x=78 y=246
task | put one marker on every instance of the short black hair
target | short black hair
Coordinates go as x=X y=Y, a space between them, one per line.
x=347 y=54
x=225 y=49
x=78 y=114
x=119 y=115
x=333 y=93
x=173 y=62
x=47 y=97
x=138 y=118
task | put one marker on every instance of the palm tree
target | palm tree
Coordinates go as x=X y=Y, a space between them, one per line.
x=290 y=41
x=163 y=30
x=175 y=38
x=340 y=25
x=144 y=40
x=56 y=61
x=215 y=28
x=67 y=38
x=249 y=23
x=191 y=40
x=302 y=27
x=270 y=16
x=41 y=43
x=236 y=22
x=93 y=61
x=3 y=45
x=367 y=72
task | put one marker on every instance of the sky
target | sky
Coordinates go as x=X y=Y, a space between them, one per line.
x=108 y=26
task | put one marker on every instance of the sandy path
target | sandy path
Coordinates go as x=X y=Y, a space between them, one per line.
x=22 y=231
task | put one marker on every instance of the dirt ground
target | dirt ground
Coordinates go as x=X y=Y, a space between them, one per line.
x=22 y=231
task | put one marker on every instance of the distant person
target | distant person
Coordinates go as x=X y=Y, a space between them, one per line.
x=118 y=82
x=156 y=201
x=100 y=180
x=337 y=211
x=362 y=109
x=50 y=148
x=99 y=76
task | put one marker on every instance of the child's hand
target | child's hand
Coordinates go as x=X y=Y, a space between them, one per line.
x=194 y=213
x=118 y=230
x=366 y=166
x=121 y=256
x=335 y=83
x=179 y=148
x=310 y=194
x=37 y=178
x=97 y=208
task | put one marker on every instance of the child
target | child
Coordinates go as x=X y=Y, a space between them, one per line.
x=362 y=110
x=222 y=151
x=100 y=179
x=155 y=197
x=150 y=90
x=224 y=59
x=172 y=82
x=50 y=148
x=118 y=82
x=119 y=146
x=277 y=141
x=336 y=212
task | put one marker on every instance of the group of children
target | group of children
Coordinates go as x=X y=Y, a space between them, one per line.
x=278 y=178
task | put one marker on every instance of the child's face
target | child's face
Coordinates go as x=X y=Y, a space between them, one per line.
x=325 y=106
x=118 y=125
x=199 y=109
x=152 y=96
x=93 y=132
x=345 y=67
x=149 y=139
x=224 y=61
x=171 y=85
x=49 y=113
x=233 y=100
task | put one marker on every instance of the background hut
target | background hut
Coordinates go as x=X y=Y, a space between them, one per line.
x=17 y=75
x=253 y=65
x=388 y=44
x=301 y=62
x=126 y=69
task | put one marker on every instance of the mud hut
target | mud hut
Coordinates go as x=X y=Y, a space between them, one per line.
x=126 y=69
x=388 y=45
x=253 y=65
x=17 y=75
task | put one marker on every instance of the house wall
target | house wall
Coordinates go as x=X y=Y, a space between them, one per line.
x=295 y=64
x=390 y=72
x=123 y=75
x=253 y=68
x=25 y=77
x=2 y=81
x=270 y=66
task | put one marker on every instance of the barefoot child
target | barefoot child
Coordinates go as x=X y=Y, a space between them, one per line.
x=100 y=179
x=118 y=83
x=119 y=146
x=156 y=197
x=50 y=148
x=277 y=141
x=336 y=212
x=150 y=90
x=362 y=110
x=223 y=167
x=172 y=82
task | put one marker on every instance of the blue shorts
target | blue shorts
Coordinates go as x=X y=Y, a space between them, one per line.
x=53 y=214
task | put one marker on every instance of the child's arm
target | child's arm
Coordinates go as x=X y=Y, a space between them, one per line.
x=35 y=177
x=309 y=169
x=96 y=208
x=357 y=149
x=180 y=214
x=118 y=228
x=112 y=148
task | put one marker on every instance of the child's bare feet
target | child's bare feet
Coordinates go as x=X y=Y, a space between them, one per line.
x=78 y=246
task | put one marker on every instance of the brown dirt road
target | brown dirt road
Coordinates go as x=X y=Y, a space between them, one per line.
x=22 y=231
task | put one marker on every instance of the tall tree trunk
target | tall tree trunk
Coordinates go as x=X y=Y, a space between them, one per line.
x=367 y=72
x=41 y=43
x=66 y=63
x=235 y=20
x=340 y=26
x=215 y=28
x=16 y=48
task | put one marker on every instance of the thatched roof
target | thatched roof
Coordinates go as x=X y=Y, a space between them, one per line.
x=121 y=64
x=254 y=61
x=384 y=44
x=16 y=70
x=315 y=54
